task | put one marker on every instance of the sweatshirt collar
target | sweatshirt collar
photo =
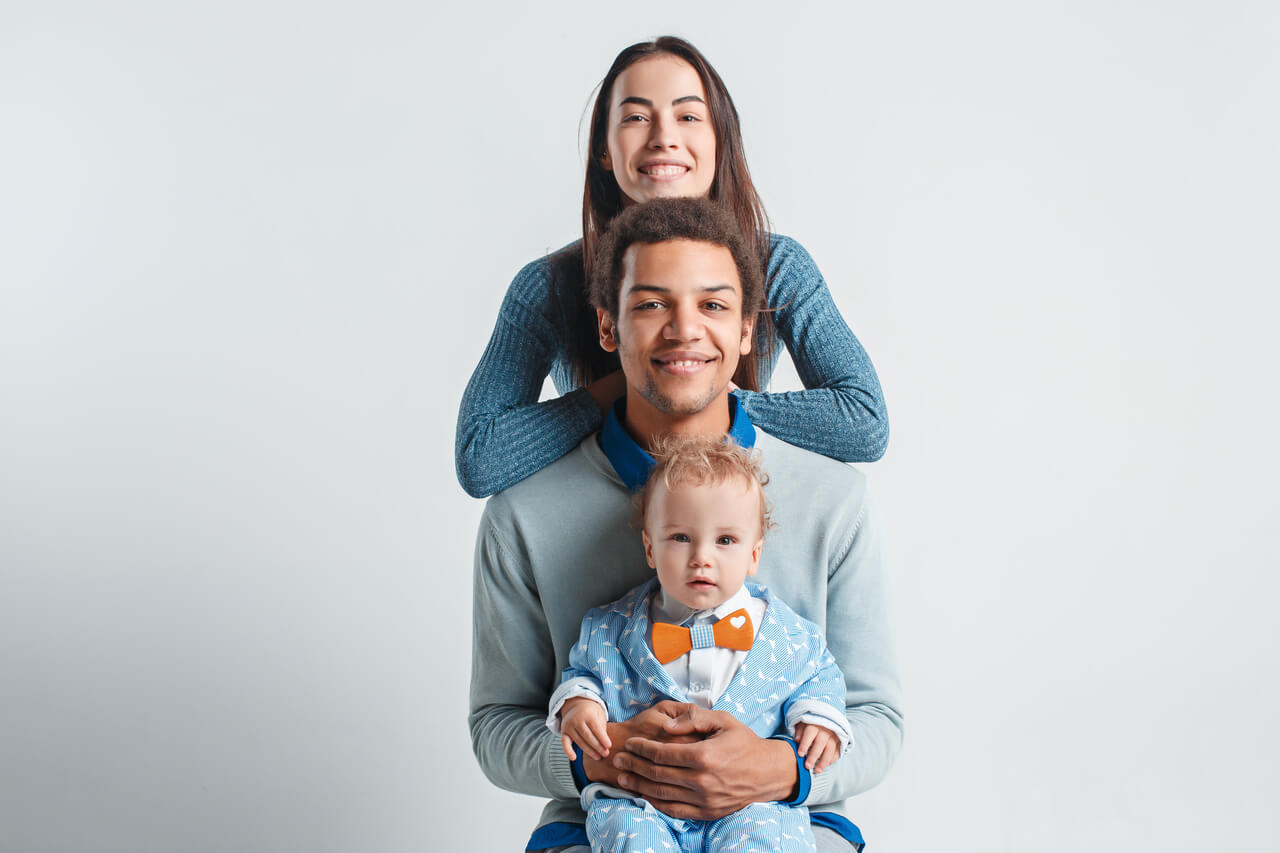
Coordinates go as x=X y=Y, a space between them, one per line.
x=633 y=463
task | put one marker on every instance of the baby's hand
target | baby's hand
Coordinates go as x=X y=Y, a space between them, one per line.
x=817 y=745
x=582 y=721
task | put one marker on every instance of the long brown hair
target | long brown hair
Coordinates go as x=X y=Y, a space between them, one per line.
x=602 y=200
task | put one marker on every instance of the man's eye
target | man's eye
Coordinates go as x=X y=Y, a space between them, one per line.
x=717 y=306
x=649 y=306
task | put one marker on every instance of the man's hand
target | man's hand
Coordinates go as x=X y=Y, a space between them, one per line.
x=651 y=723
x=818 y=746
x=727 y=768
x=582 y=721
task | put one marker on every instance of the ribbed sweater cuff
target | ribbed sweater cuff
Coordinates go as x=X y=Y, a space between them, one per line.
x=820 y=785
x=559 y=772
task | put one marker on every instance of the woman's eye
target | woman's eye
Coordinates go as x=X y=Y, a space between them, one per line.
x=635 y=117
x=690 y=117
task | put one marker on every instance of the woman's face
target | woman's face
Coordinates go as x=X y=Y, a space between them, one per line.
x=660 y=142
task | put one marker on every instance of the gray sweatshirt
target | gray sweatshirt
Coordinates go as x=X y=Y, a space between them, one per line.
x=565 y=540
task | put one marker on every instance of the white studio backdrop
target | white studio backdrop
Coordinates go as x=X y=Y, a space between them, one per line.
x=249 y=254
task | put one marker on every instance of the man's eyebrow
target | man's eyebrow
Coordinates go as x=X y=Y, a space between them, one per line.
x=645 y=102
x=657 y=288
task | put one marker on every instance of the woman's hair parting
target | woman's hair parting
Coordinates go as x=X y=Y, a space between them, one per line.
x=705 y=461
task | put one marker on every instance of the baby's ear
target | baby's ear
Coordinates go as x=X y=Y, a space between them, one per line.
x=755 y=557
x=648 y=549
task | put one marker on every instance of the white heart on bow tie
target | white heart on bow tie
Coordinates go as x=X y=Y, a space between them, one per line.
x=738 y=621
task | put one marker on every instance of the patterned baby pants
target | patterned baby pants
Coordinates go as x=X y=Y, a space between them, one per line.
x=630 y=826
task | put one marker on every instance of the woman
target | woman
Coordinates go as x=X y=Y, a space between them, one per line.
x=663 y=124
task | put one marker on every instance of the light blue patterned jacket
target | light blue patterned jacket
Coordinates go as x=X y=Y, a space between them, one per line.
x=787 y=670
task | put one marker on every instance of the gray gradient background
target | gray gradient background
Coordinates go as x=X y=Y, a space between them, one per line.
x=249 y=253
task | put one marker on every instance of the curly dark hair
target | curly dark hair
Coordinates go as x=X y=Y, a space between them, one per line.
x=663 y=220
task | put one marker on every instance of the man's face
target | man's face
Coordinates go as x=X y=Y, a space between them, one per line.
x=679 y=331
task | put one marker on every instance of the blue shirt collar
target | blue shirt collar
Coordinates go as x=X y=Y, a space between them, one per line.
x=633 y=463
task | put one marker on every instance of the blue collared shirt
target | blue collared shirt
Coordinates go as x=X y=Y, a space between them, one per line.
x=634 y=464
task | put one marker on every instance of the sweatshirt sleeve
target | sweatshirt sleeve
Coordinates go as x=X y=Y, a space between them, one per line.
x=841 y=412
x=512 y=665
x=860 y=638
x=504 y=434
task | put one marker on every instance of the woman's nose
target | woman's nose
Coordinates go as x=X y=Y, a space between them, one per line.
x=662 y=133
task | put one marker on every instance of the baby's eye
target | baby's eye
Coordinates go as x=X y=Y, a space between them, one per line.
x=680 y=537
x=725 y=540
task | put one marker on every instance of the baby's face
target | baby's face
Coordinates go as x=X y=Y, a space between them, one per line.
x=704 y=540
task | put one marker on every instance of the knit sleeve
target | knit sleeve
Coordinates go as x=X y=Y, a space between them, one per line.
x=860 y=638
x=841 y=412
x=512 y=664
x=504 y=434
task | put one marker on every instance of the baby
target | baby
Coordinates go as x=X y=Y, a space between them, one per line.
x=699 y=633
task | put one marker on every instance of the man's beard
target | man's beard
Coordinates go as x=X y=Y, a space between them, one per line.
x=670 y=406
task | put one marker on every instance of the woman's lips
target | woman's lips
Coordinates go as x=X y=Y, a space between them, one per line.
x=663 y=171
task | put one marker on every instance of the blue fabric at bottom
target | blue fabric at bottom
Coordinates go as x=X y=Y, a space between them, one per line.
x=557 y=835
x=563 y=834
x=840 y=825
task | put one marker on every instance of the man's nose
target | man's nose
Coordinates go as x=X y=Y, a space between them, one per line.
x=686 y=324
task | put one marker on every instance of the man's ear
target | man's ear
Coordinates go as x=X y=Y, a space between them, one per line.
x=748 y=326
x=608 y=331
x=648 y=549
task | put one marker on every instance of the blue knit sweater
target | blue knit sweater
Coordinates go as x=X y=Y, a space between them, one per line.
x=504 y=433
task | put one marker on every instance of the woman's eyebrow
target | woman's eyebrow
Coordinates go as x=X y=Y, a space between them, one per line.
x=645 y=102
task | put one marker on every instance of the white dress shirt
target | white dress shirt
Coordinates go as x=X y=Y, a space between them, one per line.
x=704 y=674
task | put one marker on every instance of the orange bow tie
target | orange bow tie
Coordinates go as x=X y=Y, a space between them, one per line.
x=731 y=632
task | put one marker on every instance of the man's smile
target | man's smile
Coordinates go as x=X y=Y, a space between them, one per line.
x=683 y=363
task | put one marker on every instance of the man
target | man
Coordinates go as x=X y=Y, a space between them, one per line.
x=676 y=295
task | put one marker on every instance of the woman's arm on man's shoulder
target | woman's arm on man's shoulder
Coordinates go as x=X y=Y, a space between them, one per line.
x=841 y=413
x=504 y=434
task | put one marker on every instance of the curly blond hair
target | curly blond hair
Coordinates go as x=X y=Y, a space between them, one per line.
x=699 y=460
